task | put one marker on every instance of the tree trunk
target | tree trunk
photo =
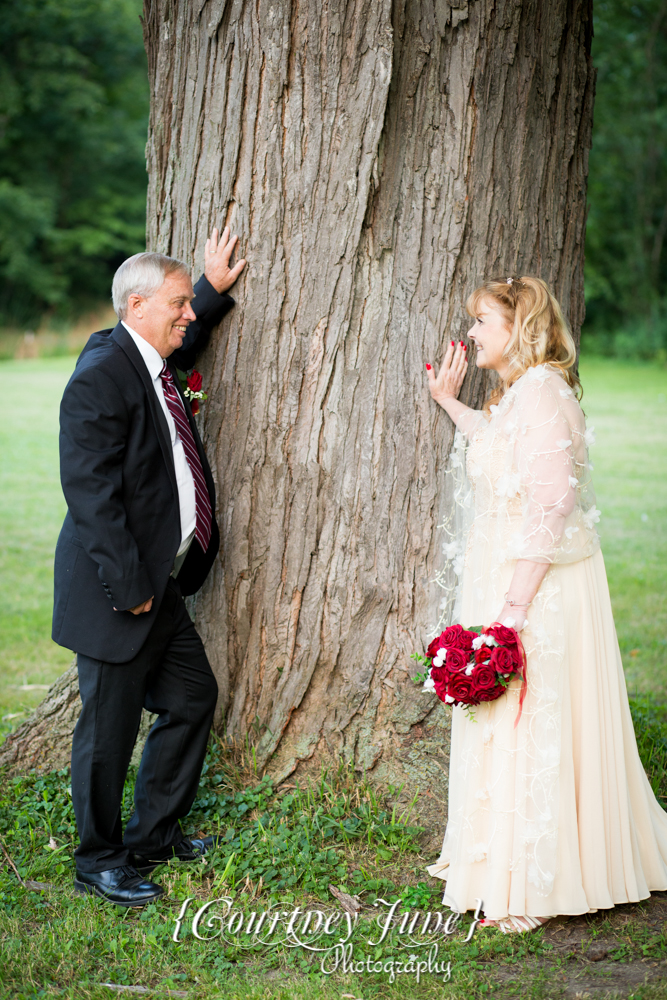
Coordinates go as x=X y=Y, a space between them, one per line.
x=44 y=740
x=378 y=161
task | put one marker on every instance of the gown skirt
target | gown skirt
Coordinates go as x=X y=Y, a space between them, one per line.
x=553 y=813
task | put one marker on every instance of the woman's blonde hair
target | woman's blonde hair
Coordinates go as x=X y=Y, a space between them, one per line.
x=539 y=333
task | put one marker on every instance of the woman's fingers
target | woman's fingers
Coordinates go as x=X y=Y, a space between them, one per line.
x=461 y=357
x=446 y=365
x=452 y=371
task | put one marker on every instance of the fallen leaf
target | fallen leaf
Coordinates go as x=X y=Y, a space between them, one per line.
x=349 y=903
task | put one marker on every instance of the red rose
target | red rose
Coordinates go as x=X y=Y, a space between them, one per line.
x=194 y=406
x=441 y=689
x=460 y=689
x=194 y=381
x=434 y=645
x=483 y=655
x=505 y=636
x=494 y=693
x=439 y=675
x=456 y=661
x=503 y=660
x=456 y=637
x=516 y=653
x=483 y=679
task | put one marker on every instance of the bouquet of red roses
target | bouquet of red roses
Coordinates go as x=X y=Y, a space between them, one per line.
x=469 y=666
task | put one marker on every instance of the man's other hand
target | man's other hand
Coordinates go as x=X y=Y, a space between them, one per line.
x=140 y=608
x=217 y=256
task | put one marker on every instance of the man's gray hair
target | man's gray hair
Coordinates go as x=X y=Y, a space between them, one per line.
x=142 y=275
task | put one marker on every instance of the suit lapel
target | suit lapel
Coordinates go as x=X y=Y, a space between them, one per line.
x=124 y=340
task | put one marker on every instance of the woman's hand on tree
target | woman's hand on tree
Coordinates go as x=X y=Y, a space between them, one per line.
x=447 y=383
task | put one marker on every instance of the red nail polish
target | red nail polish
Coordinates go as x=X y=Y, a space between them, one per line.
x=428 y=367
x=465 y=347
x=452 y=343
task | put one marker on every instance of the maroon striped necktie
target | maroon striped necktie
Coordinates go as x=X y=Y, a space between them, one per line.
x=202 y=499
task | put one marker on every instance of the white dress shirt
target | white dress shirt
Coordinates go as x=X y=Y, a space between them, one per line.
x=186 y=485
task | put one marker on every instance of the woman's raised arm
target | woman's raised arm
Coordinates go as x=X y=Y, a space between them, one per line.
x=446 y=385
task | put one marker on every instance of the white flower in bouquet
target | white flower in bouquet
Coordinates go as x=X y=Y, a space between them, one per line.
x=429 y=685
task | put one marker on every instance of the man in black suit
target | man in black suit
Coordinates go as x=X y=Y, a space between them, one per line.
x=140 y=533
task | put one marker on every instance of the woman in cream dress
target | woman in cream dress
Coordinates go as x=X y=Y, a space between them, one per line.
x=550 y=811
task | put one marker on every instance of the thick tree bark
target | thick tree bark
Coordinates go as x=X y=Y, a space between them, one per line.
x=378 y=160
x=44 y=740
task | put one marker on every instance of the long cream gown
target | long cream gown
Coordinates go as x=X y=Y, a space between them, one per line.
x=553 y=814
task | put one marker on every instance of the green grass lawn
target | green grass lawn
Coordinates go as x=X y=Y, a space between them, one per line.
x=31 y=512
x=627 y=404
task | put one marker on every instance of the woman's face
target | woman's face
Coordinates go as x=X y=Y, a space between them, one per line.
x=490 y=335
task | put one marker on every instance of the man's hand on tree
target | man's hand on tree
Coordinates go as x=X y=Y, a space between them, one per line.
x=140 y=608
x=218 y=255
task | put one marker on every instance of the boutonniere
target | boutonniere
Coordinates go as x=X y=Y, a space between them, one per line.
x=192 y=390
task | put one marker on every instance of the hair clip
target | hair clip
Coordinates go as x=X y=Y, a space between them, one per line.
x=510 y=280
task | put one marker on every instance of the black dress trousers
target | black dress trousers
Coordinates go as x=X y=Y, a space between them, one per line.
x=170 y=676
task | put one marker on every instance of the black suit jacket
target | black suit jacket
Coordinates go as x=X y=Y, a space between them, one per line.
x=122 y=530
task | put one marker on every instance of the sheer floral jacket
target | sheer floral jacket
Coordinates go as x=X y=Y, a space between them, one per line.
x=520 y=479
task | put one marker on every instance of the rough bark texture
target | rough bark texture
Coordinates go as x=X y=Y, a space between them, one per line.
x=44 y=740
x=378 y=161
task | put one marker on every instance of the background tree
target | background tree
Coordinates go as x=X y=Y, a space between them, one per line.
x=73 y=108
x=626 y=242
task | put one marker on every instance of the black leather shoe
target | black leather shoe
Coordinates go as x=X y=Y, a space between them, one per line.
x=123 y=886
x=187 y=850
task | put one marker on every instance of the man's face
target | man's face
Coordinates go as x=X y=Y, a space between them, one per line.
x=163 y=318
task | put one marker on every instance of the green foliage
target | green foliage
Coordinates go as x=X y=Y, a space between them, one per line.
x=419 y=897
x=73 y=113
x=292 y=839
x=56 y=943
x=39 y=803
x=650 y=722
x=289 y=840
x=626 y=247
